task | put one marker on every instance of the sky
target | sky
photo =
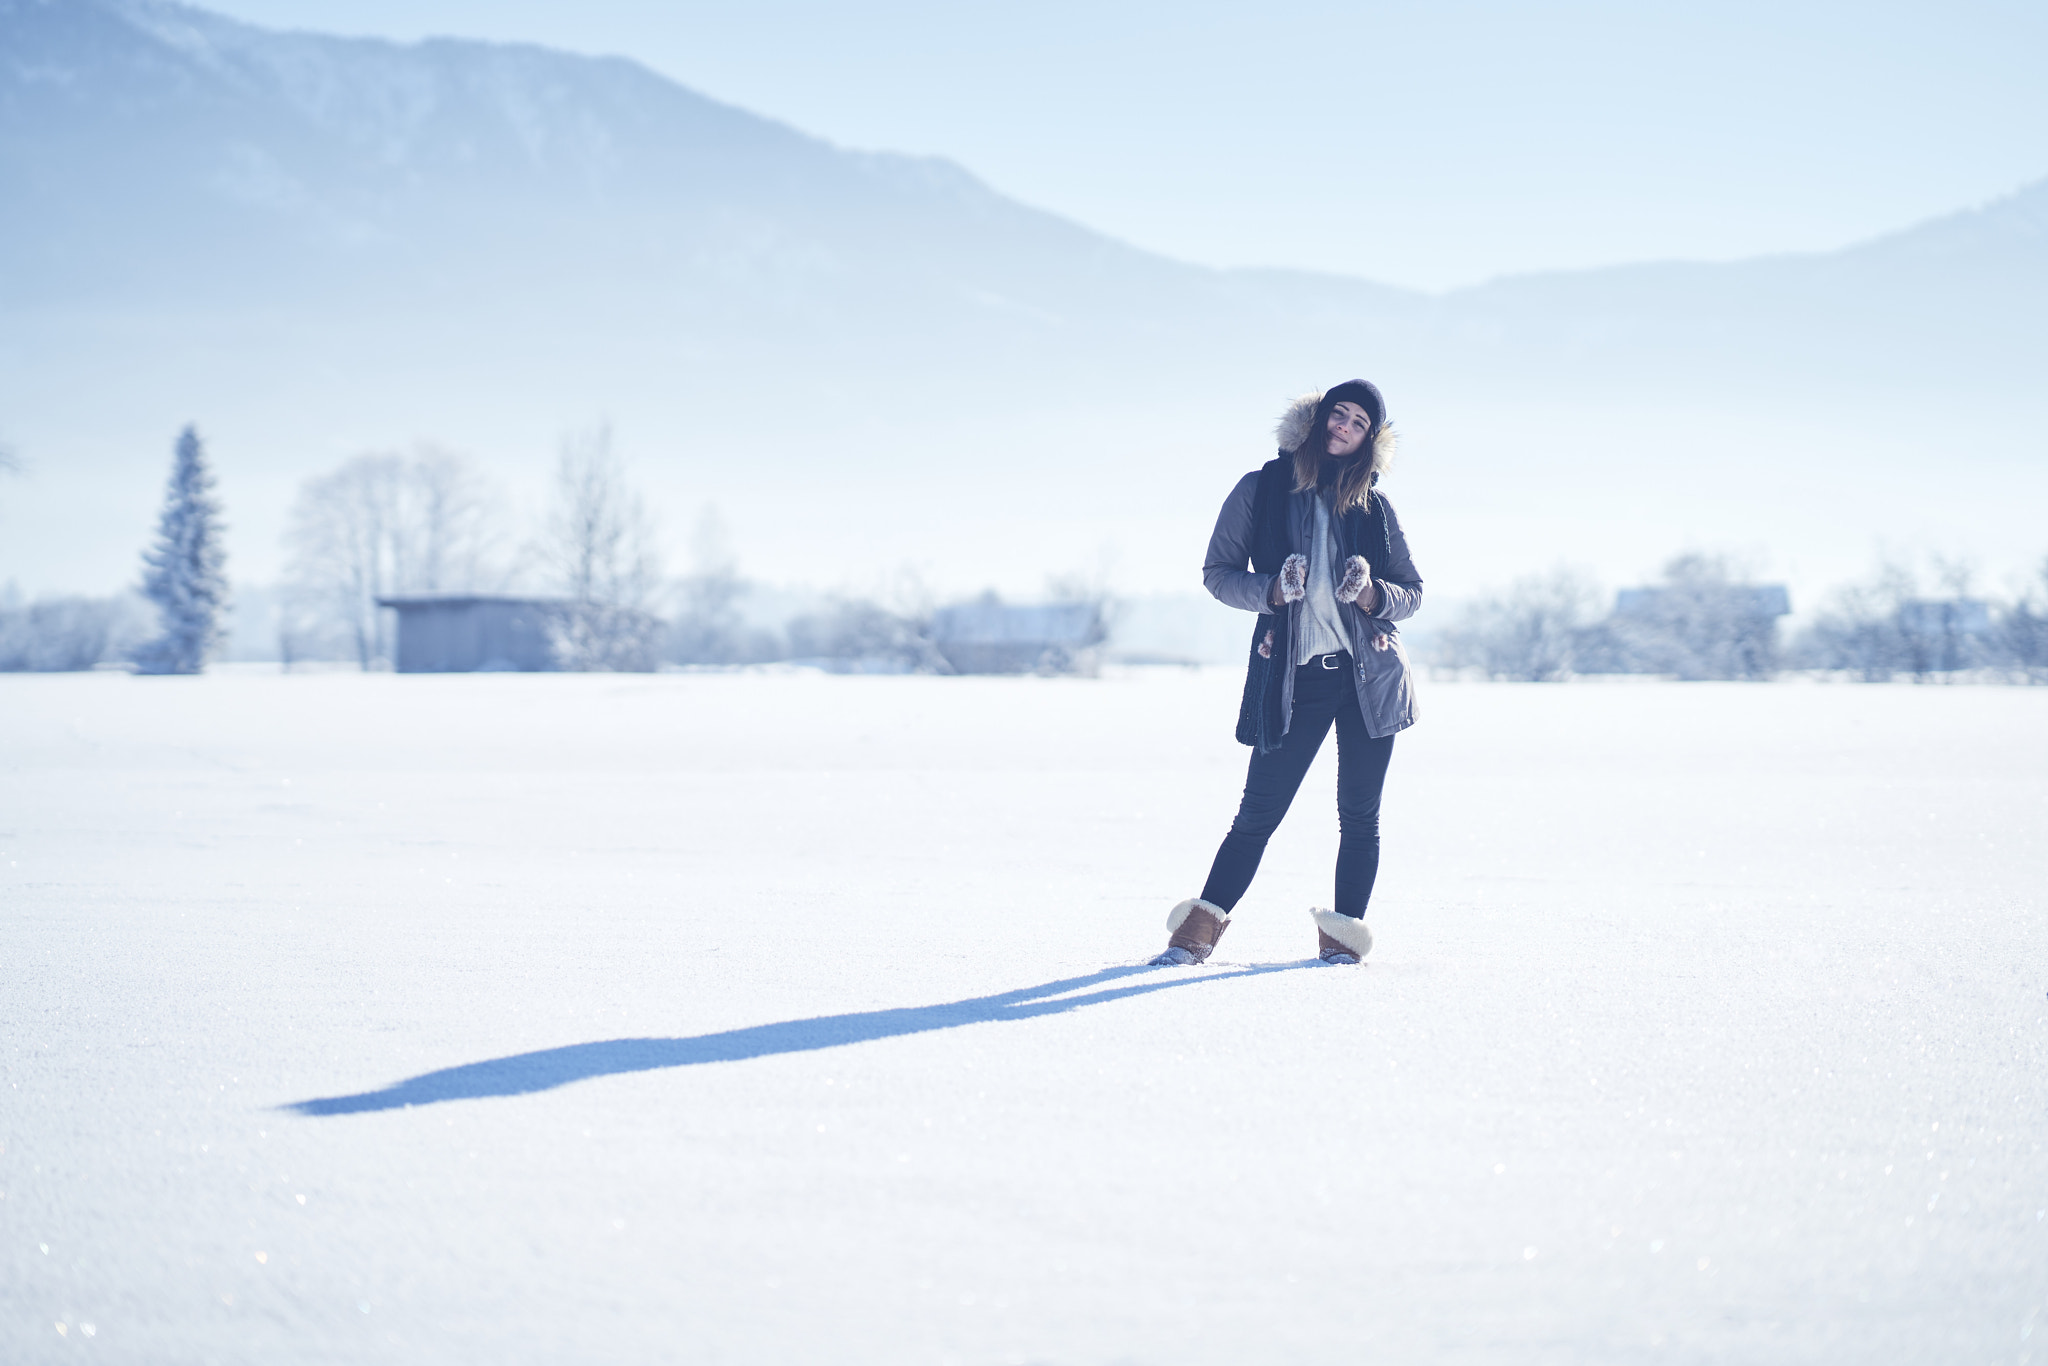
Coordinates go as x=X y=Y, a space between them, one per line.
x=1423 y=145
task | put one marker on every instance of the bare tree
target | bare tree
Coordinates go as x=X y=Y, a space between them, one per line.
x=599 y=542
x=1950 y=632
x=1889 y=625
x=1857 y=631
x=889 y=632
x=2023 y=630
x=448 y=524
x=380 y=525
x=341 y=559
x=1702 y=622
x=1532 y=633
x=1089 y=588
x=708 y=628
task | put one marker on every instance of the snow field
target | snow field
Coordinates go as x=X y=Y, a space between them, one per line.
x=778 y=1016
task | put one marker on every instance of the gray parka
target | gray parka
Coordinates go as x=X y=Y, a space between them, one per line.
x=1381 y=672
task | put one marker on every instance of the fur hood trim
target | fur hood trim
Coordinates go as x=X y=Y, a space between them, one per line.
x=1177 y=917
x=1301 y=415
x=1352 y=934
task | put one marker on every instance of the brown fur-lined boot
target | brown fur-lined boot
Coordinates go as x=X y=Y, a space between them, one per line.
x=1340 y=939
x=1195 y=926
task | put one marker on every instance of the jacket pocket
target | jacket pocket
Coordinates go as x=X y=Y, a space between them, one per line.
x=1386 y=687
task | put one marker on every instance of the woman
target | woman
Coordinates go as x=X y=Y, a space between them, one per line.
x=1329 y=575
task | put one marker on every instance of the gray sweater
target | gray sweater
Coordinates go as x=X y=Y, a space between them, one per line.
x=1322 y=631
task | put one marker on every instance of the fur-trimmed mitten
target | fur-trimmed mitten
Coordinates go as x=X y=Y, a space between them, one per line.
x=1339 y=938
x=1195 y=925
x=1294 y=578
x=1357 y=576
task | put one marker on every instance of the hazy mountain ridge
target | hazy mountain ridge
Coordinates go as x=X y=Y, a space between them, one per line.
x=268 y=161
x=315 y=245
x=161 y=153
x=1960 y=299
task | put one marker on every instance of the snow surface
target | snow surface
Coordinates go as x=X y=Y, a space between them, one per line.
x=783 y=1017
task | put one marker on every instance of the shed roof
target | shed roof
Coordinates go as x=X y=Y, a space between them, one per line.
x=402 y=601
x=1756 y=599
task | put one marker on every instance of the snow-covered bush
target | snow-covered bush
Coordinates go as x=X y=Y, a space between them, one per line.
x=1890 y=625
x=1533 y=633
x=862 y=636
x=987 y=635
x=56 y=635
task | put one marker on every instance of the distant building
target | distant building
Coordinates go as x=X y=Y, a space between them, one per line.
x=1755 y=601
x=992 y=637
x=1694 y=628
x=1941 y=635
x=1945 y=616
x=459 y=633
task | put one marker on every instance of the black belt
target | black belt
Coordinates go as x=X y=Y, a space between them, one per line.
x=1335 y=661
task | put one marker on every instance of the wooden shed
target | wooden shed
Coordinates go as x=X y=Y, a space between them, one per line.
x=443 y=633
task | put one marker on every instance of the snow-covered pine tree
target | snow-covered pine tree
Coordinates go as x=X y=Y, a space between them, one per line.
x=184 y=571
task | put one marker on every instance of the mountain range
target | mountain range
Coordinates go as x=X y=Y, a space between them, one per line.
x=313 y=245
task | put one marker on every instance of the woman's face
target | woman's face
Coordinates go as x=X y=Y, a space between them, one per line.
x=1348 y=425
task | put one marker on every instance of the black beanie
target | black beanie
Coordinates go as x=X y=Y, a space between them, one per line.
x=1364 y=393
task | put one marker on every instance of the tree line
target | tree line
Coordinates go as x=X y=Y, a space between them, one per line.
x=1702 y=621
x=386 y=525
x=382 y=526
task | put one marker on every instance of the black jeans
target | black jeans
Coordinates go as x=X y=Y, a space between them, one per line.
x=1321 y=696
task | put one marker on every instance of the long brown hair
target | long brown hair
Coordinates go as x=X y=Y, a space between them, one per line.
x=1352 y=486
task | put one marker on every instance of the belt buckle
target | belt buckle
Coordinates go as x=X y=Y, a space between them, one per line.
x=1330 y=662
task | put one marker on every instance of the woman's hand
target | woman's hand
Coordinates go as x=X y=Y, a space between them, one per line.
x=1291 y=583
x=1358 y=585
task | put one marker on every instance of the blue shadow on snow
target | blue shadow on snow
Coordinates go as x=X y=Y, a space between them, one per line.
x=524 y=1073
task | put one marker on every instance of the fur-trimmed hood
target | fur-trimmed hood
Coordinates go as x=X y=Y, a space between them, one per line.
x=1294 y=425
